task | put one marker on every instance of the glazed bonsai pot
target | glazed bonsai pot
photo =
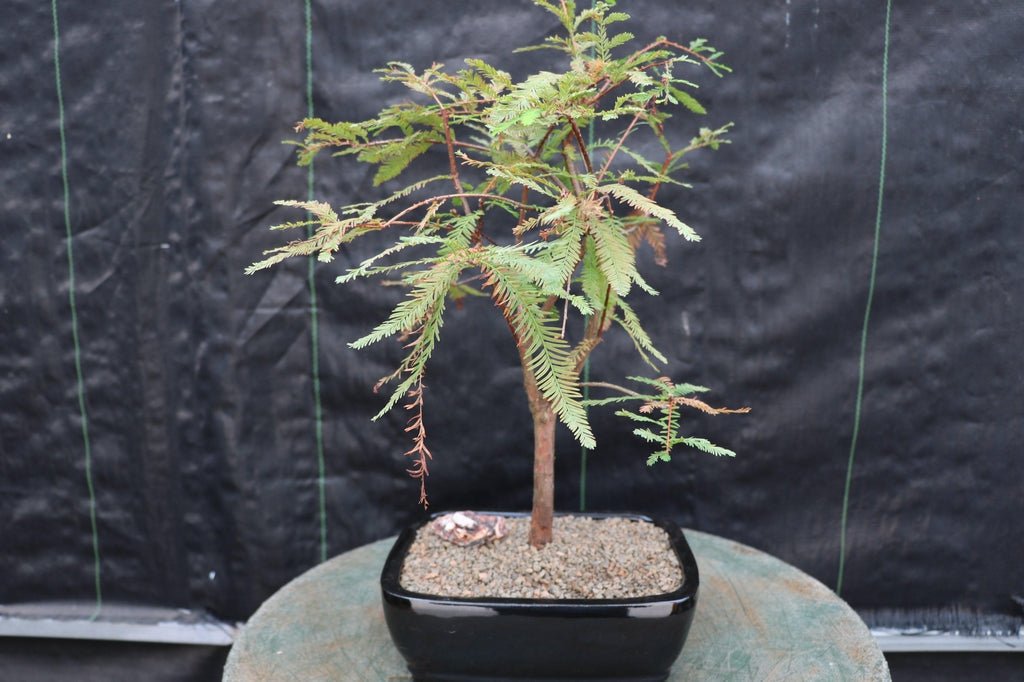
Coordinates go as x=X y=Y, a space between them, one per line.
x=449 y=639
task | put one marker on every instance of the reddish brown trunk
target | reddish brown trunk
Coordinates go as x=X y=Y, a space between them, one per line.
x=544 y=422
x=542 y=516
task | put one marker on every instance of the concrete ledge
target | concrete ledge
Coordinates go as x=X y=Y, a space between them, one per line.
x=936 y=642
x=182 y=626
x=115 y=623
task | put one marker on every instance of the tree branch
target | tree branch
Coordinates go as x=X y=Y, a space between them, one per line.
x=446 y=197
x=593 y=333
x=581 y=145
x=614 y=387
x=618 y=146
x=419 y=450
x=454 y=167
x=577 y=189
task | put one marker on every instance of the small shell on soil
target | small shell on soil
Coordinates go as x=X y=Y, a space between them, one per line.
x=469 y=528
x=589 y=558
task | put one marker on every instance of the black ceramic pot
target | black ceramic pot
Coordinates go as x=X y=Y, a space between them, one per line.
x=449 y=639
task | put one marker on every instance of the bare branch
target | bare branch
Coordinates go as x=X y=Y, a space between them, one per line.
x=419 y=449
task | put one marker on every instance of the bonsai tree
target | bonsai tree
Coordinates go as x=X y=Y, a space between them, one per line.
x=531 y=211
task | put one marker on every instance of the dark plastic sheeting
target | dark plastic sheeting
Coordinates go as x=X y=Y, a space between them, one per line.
x=197 y=379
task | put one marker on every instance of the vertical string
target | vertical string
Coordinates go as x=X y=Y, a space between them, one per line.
x=583 y=449
x=74 y=316
x=586 y=363
x=313 y=311
x=871 y=295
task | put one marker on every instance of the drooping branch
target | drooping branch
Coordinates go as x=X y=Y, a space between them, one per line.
x=670 y=427
x=419 y=450
x=354 y=144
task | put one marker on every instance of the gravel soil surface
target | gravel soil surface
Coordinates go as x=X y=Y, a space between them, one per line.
x=588 y=559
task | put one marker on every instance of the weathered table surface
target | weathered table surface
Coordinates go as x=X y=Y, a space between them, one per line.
x=757 y=618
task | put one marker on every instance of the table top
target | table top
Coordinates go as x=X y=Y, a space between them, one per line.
x=757 y=618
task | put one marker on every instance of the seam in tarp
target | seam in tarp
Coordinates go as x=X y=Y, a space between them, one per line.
x=314 y=331
x=74 y=313
x=867 y=307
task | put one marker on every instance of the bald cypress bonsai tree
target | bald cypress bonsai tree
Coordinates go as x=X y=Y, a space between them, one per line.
x=530 y=210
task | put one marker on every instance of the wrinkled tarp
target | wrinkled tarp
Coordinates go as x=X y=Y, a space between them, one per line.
x=197 y=380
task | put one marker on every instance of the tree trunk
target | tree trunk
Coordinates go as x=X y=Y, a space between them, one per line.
x=542 y=516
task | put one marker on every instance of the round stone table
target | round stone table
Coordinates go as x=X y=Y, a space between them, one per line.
x=757 y=619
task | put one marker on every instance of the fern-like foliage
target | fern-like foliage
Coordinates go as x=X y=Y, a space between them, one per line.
x=523 y=211
x=660 y=415
x=545 y=353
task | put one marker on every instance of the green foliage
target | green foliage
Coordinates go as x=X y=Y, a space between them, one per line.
x=660 y=407
x=526 y=212
x=648 y=207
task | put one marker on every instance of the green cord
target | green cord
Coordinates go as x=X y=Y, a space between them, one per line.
x=584 y=451
x=586 y=363
x=867 y=309
x=74 y=318
x=313 y=311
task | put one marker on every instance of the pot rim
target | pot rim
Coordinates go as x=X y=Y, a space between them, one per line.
x=687 y=591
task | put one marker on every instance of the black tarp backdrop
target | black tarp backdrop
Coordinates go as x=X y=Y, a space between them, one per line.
x=197 y=380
